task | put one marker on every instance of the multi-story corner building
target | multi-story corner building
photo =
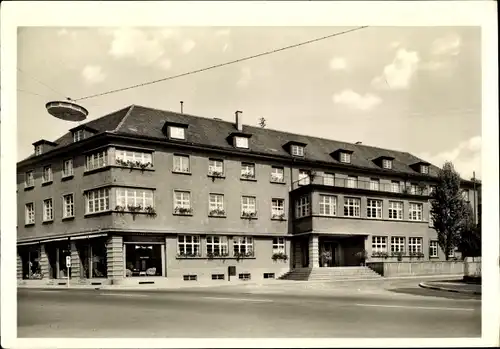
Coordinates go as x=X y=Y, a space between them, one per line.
x=143 y=194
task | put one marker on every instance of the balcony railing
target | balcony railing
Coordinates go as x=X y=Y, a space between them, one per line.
x=408 y=189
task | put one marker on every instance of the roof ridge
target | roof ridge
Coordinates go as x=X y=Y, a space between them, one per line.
x=130 y=108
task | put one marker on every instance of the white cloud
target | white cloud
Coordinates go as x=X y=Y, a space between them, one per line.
x=245 y=77
x=165 y=64
x=338 y=63
x=93 y=74
x=188 y=46
x=449 y=45
x=399 y=73
x=466 y=157
x=356 y=101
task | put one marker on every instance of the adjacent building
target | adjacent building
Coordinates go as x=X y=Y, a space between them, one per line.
x=142 y=194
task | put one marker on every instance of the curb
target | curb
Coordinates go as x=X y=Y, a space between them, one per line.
x=438 y=288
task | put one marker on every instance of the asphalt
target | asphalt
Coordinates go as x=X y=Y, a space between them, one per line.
x=456 y=286
x=399 y=310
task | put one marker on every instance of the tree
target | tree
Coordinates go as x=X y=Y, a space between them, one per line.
x=262 y=122
x=449 y=211
x=470 y=236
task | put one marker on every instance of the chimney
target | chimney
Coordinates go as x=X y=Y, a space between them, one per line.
x=182 y=109
x=359 y=142
x=239 y=120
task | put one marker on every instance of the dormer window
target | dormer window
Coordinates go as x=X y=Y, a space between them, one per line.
x=424 y=169
x=387 y=164
x=345 y=157
x=297 y=150
x=421 y=167
x=78 y=135
x=38 y=150
x=177 y=132
x=241 y=142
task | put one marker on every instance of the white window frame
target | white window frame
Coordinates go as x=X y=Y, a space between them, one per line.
x=304 y=177
x=277 y=174
x=345 y=157
x=374 y=184
x=395 y=187
x=297 y=150
x=217 y=245
x=374 y=208
x=451 y=253
x=248 y=205
x=99 y=199
x=354 y=204
x=277 y=208
x=247 y=170
x=279 y=245
x=243 y=245
x=396 y=210
x=415 y=244
x=329 y=179
x=134 y=197
x=29 y=179
x=38 y=150
x=182 y=200
x=176 y=132
x=48 y=210
x=98 y=159
x=328 y=205
x=47 y=174
x=216 y=204
x=433 y=248
x=416 y=211
x=181 y=164
x=78 y=136
x=351 y=182
x=379 y=244
x=303 y=206
x=387 y=164
x=424 y=169
x=133 y=156
x=185 y=241
x=215 y=166
x=68 y=206
x=68 y=168
x=241 y=142
x=398 y=244
x=29 y=216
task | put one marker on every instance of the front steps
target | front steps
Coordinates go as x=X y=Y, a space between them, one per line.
x=331 y=274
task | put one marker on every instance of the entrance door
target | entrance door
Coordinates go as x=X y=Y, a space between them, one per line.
x=327 y=254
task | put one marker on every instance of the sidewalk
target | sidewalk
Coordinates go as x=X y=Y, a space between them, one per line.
x=457 y=286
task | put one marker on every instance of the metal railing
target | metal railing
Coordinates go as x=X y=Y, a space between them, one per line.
x=408 y=189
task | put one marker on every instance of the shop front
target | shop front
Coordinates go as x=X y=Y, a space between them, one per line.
x=144 y=256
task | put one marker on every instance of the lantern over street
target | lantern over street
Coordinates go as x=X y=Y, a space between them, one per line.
x=66 y=110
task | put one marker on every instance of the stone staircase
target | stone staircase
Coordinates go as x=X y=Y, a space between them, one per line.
x=331 y=274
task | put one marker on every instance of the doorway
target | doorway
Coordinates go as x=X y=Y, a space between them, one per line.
x=327 y=254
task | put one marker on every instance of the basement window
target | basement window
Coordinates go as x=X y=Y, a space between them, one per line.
x=244 y=276
x=190 y=277
x=217 y=276
x=269 y=276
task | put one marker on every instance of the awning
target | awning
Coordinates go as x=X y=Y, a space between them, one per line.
x=26 y=243
x=48 y=239
x=91 y=236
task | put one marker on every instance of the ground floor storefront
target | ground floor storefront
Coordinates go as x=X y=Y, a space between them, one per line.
x=128 y=258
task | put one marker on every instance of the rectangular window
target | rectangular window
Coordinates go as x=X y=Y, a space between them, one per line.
x=215 y=167
x=247 y=170
x=182 y=202
x=48 y=211
x=297 y=150
x=130 y=198
x=352 y=182
x=415 y=245
x=277 y=174
x=451 y=253
x=302 y=207
x=216 y=205
x=329 y=179
x=38 y=150
x=352 y=207
x=432 y=189
x=269 y=276
x=374 y=184
x=345 y=158
x=132 y=157
x=217 y=246
x=244 y=276
x=379 y=244
x=68 y=206
x=190 y=277
x=397 y=244
x=29 y=179
x=241 y=142
x=304 y=178
x=424 y=169
x=387 y=164
x=279 y=245
x=433 y=248
x=327 y=205
x=67 y=168
x=188 y=245
x=181 y=164
x=177 y=132
x=78 y=135
x=47 y=174
x=96 y=160
x=248 y=206
x=374 y=208
x=30 y=213
x=396 y=210
x=277 y=208
x=218 y=276
x=414 y=189
x=243 y=246
x=415 y=211
x=97 y=200
x=395 y=187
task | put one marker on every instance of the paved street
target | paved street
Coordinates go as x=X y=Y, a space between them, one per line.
x=394 y=310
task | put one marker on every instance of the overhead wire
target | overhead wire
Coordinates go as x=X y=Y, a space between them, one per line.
x=41 y=83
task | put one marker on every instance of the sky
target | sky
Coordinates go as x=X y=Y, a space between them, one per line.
x=414 y=89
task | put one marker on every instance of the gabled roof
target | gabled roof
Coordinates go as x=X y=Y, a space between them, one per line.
x=139 y=121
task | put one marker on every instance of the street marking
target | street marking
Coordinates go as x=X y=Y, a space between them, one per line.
x=410 y=307
x=123 y=294
x=241 y=299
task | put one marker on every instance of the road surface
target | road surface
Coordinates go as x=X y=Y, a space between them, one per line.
x=405 y=311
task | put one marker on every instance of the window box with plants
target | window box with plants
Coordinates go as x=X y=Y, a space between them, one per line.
x=417 y=255
x=278 y=217
x=277 y=179
x=183 y=211
x=212 y=255
x=217 y=213
x=249 y=215
x=383 y=255
x=279 y=256
x=248 y=175
x=135 y=210
x=242 y=255
x=188 y=255
x=398 y=255
x=215 y=174
x=134 y=164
